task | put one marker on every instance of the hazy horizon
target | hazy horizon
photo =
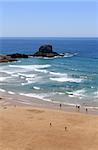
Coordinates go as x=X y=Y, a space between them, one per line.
x=48 y=37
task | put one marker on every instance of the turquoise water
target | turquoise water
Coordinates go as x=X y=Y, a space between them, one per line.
x=72 y=79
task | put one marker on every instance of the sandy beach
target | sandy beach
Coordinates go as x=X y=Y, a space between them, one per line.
x=38 y=128
x=48 y=75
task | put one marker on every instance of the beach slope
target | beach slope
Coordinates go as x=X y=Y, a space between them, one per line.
x=28 y=128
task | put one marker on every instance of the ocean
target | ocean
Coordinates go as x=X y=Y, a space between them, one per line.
x=72 y=79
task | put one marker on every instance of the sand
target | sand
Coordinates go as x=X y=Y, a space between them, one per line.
x=32 y=124
x=28 y=128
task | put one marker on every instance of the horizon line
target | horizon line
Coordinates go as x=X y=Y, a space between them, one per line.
x=48 y=36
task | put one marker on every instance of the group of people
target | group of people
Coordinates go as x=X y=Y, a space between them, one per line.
x=64 y=127
x=77 y=107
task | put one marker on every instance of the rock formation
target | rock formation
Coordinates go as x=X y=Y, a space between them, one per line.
x=4 y=58
x=46 y=51
x=17 y=55
x=11 y=57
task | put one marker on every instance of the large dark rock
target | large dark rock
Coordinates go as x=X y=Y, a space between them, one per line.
x=45 y=51
x=17 y=55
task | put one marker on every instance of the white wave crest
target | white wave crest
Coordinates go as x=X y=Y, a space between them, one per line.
x=43 y=71
x=30 y=66
x=3 y=78
x=96 y=94
x=31 y=80
x=38 y=96
x=63 y=77
x=5 y=71
x=66 y=79
x=2 y=90
x=70 y=54
x=25 y=68
x=14 y=75
x=78 y=93
x=10 y=92
x=27 y=75
x=58 y=74
x=36 y=88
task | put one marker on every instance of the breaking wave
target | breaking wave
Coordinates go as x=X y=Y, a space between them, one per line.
x=78 y=93
x=70 y=54
x=41 y=96
x=2 y=90
x=63 y=77
x=36 y=88
x=66 y=79
x=30 y=66
x=10 y=92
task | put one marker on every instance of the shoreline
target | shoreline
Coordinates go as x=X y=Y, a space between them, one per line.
x=28 y=128
x=43 y=125
x=25 y=101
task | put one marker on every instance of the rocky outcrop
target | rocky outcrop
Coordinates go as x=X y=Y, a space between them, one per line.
x=6 y=59
x=17 y=55
x=11 y=57
x=46 y=51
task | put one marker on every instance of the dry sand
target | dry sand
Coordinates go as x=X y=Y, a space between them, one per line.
x=28 y=128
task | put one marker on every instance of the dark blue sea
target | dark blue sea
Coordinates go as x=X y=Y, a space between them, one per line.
x=72 y=79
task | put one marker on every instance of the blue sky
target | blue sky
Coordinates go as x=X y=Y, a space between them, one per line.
x=48 y=18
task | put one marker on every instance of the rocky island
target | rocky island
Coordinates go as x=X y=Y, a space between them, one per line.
x=44 y=51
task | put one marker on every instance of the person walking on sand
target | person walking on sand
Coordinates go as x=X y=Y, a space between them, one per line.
x=78 y=108
x=50 y=124
x=60 y=106
x=65 y=128
x=86 y=110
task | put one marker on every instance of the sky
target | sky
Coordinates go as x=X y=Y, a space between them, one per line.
x=56 y=18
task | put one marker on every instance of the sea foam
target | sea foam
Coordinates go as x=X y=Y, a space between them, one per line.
x=10 y=92
x=96 y=94
x=27 y=75
x=30 y=66
x=78 y=93
x=66 y=79
x=36 y=88
x=2 y=90
x=41 y=96
x=3 y=78
x=63 y=77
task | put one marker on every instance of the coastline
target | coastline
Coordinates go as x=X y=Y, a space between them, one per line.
x=10 y=99
x=43 y=125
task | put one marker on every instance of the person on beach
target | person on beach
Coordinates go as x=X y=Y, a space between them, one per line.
x=50 y=124
x=78 y=108
x=86 y=110
x=65 y=128
x=60 y=106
